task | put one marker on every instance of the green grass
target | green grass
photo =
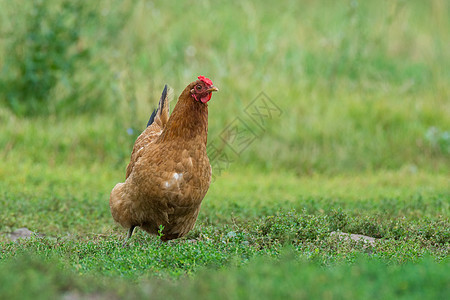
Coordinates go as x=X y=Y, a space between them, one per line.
x=261 y=278
x=361 y=145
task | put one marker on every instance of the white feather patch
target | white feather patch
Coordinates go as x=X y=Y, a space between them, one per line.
x=176 y=180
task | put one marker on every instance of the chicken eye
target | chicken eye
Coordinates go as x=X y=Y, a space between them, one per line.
x=198 y=87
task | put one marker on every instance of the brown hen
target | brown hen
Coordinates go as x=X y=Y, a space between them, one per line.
x=169 y=172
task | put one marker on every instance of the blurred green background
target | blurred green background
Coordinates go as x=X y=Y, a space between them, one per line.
x=362 y=85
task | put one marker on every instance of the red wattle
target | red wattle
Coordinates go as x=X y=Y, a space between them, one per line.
x=206 y=98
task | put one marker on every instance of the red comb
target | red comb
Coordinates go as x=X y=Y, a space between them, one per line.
x=205 y=80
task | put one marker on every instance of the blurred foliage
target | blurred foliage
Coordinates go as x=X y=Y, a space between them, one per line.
x=34 y=276
x=46 y=53
x=45 y=277
x=360 y=85
x=264 y=278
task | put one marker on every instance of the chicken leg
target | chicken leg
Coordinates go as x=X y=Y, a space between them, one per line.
x=130 y=233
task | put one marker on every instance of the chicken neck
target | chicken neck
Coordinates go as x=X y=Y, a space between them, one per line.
x=188 y=121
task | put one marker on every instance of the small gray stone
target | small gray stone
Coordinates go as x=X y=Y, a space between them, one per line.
x=21 y=233
x=356 y=237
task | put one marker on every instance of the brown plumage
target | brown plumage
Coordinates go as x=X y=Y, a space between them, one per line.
x=169 y=172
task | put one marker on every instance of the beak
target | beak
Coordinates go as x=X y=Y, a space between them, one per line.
x=212 y=89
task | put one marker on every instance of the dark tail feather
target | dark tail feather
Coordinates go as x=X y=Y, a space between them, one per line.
x=152 y=118
x=160 y=106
